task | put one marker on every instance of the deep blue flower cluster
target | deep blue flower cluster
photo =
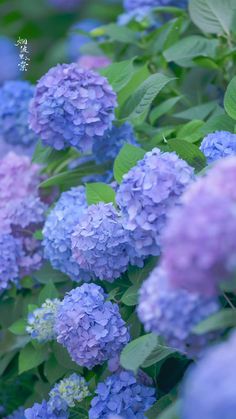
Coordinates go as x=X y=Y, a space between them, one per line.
x=15 y=98
x=72 y=107
x=99 y=242
x=41 y=321
x=58 y=229
x=89 y=327
x=172 y=313
x=121 y=394
x=10 y=254
x=9 y=70
x=217 y=145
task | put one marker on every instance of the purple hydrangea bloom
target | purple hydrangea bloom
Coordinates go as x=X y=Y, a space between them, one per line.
x=10 y=69
x=67 y=393
x=130 y=5
x=41 y=411
x=77 y=40
x=65 y=4
x=90 y=327
x=218 y=144
x=93 y=62
x=108 y=146
x=99 y=242
x=72 y=107
x=121 y=394
x=221 y=178
x=41 y=321
x=17 y=414
x=10 y=255
x=58 y=229
x=15 y=97
x=199 y=244
x=146 y=195
x=209 y=390
x=173 y=313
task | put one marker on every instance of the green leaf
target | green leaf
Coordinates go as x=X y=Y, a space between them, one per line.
x=140 y=101
x=171 y=412
x=119 y=74
x=47 y=274
x=53 y=371
x=18 y=328
x=213 y=16
x=140 y=75
x=118 y=33
x=126 y=159
x=190 y=131
x=163 y=108
x=99 y=192
x=223 y=319
x=137 y=351
x=184 y=51
x=197 y=112
x=130 y=297
x=158 y=354
x=49 y=291
x=230 y=99
x=218 y=123
x=30 y=357
x=137 y=275
x=158 y=407
x=64 y=359
x=188 y=152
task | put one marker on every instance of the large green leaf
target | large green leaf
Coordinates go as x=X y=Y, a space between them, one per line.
x=49 y=291
x=197 y=112
x=187 y=151
x=30 y=357
x=99 y=192
x=130 y=297
x=46 y=274
x=230 y=99
x=119 y=74
x=223 y=319
x=137 y=351
x=126 y=159
x=218 y=123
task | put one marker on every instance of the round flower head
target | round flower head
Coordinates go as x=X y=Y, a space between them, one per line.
x=135 y=4
x=58 y=229
x=172 y=313
x=90 y=327
x=41 y=321
x=67 y=392
x=10 y=254
x=10 y=52
x=199 y=248
x=65 y=4
x=107 y=147
x=99 y=242
x=217 y=145
x=121 y=394
x=15 y=97
x=17 y=414
x=77 y=40
x=147 y=194
x=41 y=411
x=93 y=62
x=209 y=390
x=72 y=107
x=221 y=178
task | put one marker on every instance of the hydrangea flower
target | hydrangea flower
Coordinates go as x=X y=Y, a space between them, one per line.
x=217 y=145
x=172 y=313
x=17 y=414
x=199 y=241
x=221 y=178
x=41 y=321
x=67 y=392
x=93 y=62
x=41 y=411
x=58 y=229
x=15 y=97
x=72 y=107
x=90 y=327
x=121 y=394
x=146 y=195
x=99 y=242
x=142 y=15
x=65 y=4
x=209 y=390
x=135 y=4
x=107 y=147
x=77 y=40
x=10 y=69
x=10 y=254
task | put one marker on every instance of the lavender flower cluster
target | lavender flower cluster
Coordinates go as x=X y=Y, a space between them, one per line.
x=72 y=107
x=10 y=69
x=218 y=144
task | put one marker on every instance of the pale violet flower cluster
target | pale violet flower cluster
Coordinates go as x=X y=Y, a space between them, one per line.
x=10 y=255
x=99 y=242
x=58 y=230
x=42 y=411
x=77 y=40
x=93 y=62
x=42 y=320
x=89 y=327
x=107 y=147
x=121 y=394
x=199 y=249
x=10 y=69
x=72 y=107
x=66 y=393
x=172 y=314
x=147 y=194
x=217 y=145
x=15 y=98
x=209 y=390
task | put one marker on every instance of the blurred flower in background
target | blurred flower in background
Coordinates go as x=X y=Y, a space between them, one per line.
x=9 y=70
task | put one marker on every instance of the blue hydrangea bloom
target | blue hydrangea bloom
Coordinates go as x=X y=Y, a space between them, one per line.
x=209 y=390
x=17 y=414
x=121 y=394
x=41 y=411
x=90 y=327
x=108 y=146
x=10 y=69
x=72 y=107
x=10 y=254
x=58 y=229
x=99 y=242
x=15 y=97
x=41 y=321
x=147 y=194
x=130 y=5
x=66 y=393
x=77 y=40
x=172 y=313
x=217 y=145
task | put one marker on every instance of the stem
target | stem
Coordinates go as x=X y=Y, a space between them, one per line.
x=228 y=301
